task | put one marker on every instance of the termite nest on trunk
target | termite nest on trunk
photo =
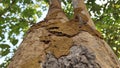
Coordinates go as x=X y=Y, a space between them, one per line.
x=60 y=39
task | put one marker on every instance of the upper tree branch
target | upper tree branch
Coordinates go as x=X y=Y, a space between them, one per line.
x=55 y=10
x=81 y=12
x=55 y=3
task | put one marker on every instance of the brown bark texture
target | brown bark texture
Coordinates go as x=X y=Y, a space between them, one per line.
x=58 y=42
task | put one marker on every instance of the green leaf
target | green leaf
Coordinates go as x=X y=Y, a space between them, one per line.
x=28 y=12
x=39 y=13
x=64 y=2
x=15 y=29
x=46 y=1
x=14 y=41
x=4 y=53
x=28 y=1
x=15 y=8
x=5 y=49
x=3 y=46
x=69 y=1
x=1 y=37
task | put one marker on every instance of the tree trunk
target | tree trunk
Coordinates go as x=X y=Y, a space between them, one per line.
x=58 y=42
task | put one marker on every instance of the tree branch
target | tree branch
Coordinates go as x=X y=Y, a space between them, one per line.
x=55 y=11
x=55 y=3
x=81 y=12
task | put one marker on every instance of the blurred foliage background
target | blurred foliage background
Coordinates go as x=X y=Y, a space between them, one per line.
x=16 y=17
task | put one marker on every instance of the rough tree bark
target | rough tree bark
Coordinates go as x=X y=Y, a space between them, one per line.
x=58 y=42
